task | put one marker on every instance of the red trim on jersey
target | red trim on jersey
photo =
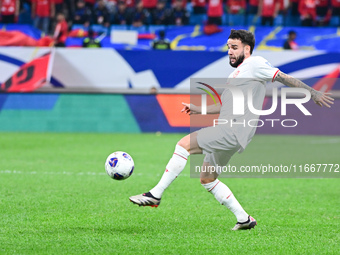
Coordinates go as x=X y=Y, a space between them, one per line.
x=214 y=186
x=229 y=195
x=275 y=74
x=180 y=156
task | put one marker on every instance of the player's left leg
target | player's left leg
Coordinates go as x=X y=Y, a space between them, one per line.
x=221 y=191
x=186 y=146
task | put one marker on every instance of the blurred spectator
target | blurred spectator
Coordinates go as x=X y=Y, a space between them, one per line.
x=284 y=6
x=161 y=15
x=90 y=4
x=268 y=10
x=90 y=41
x=25 y=13
x=323 y=12
x=59 y=6
x=61 y=31
x=140 y=15
x=294 y=17
x=307 y=9
x=283 y=11
x=111 y=5
x=9 y=11
x=122 y=15
x=153 y=90
x=321 y=7
x=215 y=12
x=130 y=3
x=42 y=12
x=82 y=14
x=236 y=6
x=70 y=7
x=254 y=6
x=101 y=14
x=290 y=43
x=199 y=6
x=25 y=2
x=149 y=5
x=161 y=43
x=179 y=15
x=184 y=3
x=294 y=7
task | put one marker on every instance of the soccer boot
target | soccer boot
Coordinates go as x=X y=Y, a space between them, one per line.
x=250 y=223
x=146 y=199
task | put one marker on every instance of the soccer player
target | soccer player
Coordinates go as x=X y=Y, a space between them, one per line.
x=219 y=143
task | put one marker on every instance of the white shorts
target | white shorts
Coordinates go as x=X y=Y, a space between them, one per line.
x=218 y=144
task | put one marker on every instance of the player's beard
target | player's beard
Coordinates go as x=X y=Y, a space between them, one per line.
x=238 y=61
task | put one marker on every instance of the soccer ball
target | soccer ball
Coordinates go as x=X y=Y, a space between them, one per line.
x=119 y=165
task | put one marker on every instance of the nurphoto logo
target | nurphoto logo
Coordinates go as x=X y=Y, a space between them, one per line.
x=238 y=105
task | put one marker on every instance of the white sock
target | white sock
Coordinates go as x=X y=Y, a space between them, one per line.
x=173 y=169
x=224 y=195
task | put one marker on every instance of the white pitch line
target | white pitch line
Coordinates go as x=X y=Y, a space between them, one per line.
x=73 y=173
x=325 y=141
x=49 y=173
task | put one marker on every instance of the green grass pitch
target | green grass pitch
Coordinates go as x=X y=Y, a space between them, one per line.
x=55 y=198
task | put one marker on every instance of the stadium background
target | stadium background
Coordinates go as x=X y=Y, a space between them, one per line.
x=59 y=122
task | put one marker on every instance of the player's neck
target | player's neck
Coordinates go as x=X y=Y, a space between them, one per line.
x=243 y=60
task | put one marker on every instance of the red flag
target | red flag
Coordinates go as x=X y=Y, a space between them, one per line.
x=17 y=38
x=326 y=83
x=29 y=77
x=78 y=33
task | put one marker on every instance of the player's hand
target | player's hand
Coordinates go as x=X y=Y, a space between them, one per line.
x=321 y=99
x=190 y=109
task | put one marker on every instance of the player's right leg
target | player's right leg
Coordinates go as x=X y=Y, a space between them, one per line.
x=221 y=191
x=219 y=145
x=186 y=146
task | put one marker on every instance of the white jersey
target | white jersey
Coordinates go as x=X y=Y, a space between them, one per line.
x=252 y=74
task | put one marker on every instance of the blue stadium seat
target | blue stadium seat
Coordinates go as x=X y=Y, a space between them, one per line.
x=119 y=27
x=78 y=26
x=99 y=29
x=155 y=28
x=253 y=20
x=225 y=19
x=142 y=29
x=293 y=21
x=236 y=20
x=197 y=19
x=278 y=21
x=335 y=21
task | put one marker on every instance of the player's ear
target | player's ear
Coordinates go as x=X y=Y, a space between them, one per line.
x=247 y=49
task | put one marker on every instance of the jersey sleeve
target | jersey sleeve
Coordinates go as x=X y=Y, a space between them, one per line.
x=263 y=70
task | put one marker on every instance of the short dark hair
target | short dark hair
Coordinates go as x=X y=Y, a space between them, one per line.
x=246 y=37
x=291 y=32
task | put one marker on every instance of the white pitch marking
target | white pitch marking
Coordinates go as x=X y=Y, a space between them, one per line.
x=72 y=173
x=325 y=141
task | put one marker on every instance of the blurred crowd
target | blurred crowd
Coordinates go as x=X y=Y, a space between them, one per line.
x=43 y=13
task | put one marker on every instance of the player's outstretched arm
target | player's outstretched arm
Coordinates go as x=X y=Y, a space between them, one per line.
x=318 y=97
x=193 y=109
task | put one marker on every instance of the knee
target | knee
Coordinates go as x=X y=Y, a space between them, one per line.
x=184 y=143
x=205 y=180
